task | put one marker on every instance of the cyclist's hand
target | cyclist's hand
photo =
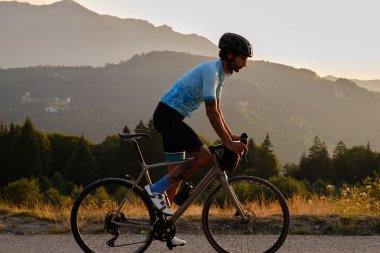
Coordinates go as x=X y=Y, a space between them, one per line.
x=235 y=137
x=237 y=147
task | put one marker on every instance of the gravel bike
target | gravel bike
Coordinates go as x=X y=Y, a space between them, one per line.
x=240 y=214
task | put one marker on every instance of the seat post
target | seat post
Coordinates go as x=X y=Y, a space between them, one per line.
x=141 y=159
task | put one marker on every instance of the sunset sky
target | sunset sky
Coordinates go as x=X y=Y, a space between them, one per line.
x=330 y=37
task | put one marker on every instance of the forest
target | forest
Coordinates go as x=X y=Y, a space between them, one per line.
x=292 y=105
x=61 y=165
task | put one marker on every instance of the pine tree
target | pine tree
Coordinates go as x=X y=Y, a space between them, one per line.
x=266 y=164
x=126 y=130
x=318 y=163
x=106 y=156
x=4 y=170
x=82 y=166
x=32 y=152
x=361 y=163
x=11 y=154
x=339 y=163
x=62 y=148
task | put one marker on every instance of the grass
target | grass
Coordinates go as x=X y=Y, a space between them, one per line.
x=342 y=207
x=346 y=215
x=298 y=206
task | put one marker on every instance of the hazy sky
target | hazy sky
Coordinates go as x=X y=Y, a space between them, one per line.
x=337 y=37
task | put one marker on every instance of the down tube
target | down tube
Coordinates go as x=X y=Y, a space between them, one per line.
x=196 y=192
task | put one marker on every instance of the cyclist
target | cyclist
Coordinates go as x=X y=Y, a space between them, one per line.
x=202 y=83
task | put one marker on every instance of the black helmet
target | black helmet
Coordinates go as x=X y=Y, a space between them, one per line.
x=236 y=43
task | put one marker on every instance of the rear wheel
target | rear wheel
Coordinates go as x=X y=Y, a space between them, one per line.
x=94 y=210
x=268 y=217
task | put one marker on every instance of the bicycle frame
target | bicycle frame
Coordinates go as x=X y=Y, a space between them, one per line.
x=214 y=173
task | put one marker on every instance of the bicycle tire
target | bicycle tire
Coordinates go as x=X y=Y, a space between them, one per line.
x=268 y=213
x=92 y=209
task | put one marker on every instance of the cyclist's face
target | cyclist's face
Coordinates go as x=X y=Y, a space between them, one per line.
x=238 y=62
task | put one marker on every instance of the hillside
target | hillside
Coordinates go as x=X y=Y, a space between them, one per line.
x=292 y=105
x=371 y=85
x=67 y=34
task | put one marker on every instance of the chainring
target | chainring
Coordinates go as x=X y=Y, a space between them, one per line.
x=164 y=230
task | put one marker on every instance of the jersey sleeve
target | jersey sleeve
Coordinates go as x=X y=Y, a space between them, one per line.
x=210 y=83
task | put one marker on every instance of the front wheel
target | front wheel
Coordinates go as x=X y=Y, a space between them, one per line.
x=96 y=225
x=265 y=229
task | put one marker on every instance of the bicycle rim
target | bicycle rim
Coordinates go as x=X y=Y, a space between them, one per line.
x=268 y=217
x=94 y=208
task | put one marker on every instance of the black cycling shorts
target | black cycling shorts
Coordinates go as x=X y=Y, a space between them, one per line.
x=176 y=134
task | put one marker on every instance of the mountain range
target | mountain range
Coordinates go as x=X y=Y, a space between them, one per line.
x=372 y=85
x=291 y=105
x=119 y=70
x=67 y=34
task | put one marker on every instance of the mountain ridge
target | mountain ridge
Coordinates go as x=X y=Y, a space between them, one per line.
x=85 y=38
x=292 y=105
x=371 y=85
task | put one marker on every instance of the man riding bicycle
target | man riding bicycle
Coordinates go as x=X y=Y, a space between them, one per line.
x=202 y=83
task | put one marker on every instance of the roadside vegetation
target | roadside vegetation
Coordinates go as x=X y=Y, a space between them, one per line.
x=41 y=174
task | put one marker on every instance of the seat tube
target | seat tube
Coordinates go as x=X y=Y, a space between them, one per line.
x=146 y=173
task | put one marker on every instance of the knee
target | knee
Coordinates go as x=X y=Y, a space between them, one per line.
x=204 y=158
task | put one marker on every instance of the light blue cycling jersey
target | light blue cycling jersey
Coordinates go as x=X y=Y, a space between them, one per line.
x=202 y=82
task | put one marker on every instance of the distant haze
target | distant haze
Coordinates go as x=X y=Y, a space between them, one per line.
x=66 y=33
x=126 y=79
x=338 y=38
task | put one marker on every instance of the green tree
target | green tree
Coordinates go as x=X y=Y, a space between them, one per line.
x=62 y=148
x=119 y=157
x=317 y=164
x=33 y=152
x=361 y=162
x=82 y=166
x=289 y=186
x=9 y=154
x=292 y=170
x=4 y=169
x=265 y=162
x=58 y=183
x=339 y=163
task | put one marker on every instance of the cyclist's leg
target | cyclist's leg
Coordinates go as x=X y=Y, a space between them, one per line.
x=178 y=137
x=202 y=157
x=166 y=121
x=172 y=190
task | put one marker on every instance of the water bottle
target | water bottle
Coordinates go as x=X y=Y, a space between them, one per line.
x=184 y=193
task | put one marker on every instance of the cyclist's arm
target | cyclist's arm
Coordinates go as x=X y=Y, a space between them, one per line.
x=219 y=127
x=216 y=120
x=232 y=136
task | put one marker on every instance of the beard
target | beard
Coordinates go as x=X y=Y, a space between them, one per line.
x=233 y=66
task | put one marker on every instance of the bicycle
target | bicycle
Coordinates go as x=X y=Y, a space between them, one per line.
x=241 y=214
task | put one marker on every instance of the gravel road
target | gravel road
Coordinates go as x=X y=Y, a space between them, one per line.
x=196 y=243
